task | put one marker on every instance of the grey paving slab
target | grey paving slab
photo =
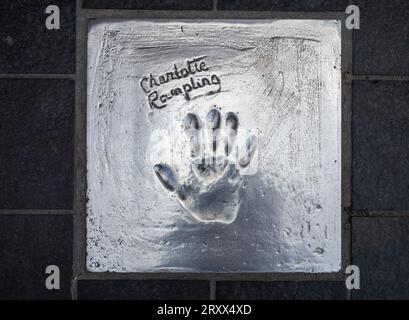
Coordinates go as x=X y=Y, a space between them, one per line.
x=28 y=244
x=142 y=290
x=380 y=145
x=308 y=290
x=380 y=250
x=381 y=45
x=27 y=46
x=283 y=5
x=36 y=144
x=149 y=4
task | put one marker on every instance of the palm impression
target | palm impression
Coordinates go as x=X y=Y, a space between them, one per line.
x=213 y=188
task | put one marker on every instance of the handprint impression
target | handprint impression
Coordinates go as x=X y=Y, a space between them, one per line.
x=212 y=191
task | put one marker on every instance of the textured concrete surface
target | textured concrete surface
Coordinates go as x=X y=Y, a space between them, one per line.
x=150 y=4
x=380 y=145
x=28 y=244
x=283 y=5
x=381 y=46
x=281 y=291
x=380 y=249
x=36 y=144
x=27 y=46
x=143 y=290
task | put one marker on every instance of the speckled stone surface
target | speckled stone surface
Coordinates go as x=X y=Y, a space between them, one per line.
x=380 y=145
x=150 y=4
x=36 y=144
x=380 y=250
x=381 y=46
x=143 y=290
x=283 y=5
x=27 y=46
x=280 y=290
x=28 y=244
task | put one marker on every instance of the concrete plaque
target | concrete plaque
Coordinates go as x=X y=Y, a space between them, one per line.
x=214 y=146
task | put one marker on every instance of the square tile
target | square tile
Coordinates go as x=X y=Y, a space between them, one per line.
x=157 y=199
x=380 y=250
x=380 y=145
x=143 y=290
x=36 y=144
x=381 y=45
x=149 y=4
x=27 y=46
x=28 y=244
x=283 y=5
x=290 y=290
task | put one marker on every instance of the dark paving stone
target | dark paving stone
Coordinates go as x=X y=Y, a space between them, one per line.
x=27 y=46
x=28 y=244
x=381 y=46
x=280 y=290
x=150 y=4
x=380 y=250
x=36 y=144
x=283 y=5
x=142 y=290
x=380 y=145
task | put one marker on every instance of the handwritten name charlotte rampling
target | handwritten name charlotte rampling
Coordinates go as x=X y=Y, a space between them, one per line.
x=193 y=71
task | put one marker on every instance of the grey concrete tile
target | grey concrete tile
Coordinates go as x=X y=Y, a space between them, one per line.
x=283 y=5
x=27 y=46
x=380 y=137
x=258 y=290
x=381 y=46
x=142 y=290
x=36 y=144
x=150 y=4
x=380 y=250
x=28 y=244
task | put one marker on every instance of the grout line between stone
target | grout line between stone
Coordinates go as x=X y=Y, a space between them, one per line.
x=206 y=14
x=337 y=276
x=349 y=292
x=79 y=134
x=346 y=144
x=212 y=290
x=74 y=288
